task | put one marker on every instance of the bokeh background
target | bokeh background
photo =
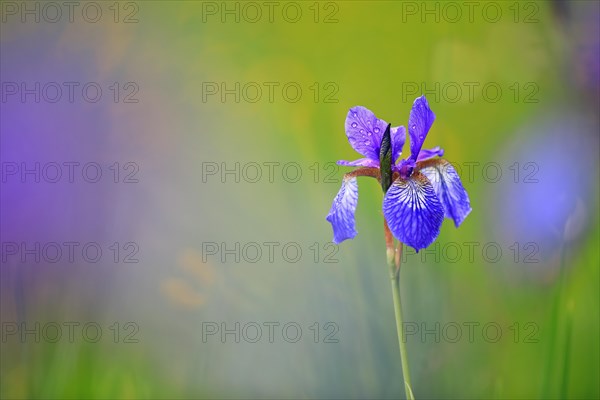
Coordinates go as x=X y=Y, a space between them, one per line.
x=164 y=118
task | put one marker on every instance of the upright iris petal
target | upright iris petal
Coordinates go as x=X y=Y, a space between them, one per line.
x=398 y=138
x=449 y=188
x=365 y=131
x=413 y=211
x=341 y=214
x=419 y=122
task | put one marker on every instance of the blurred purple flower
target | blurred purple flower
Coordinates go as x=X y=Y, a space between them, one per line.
x=544 y=202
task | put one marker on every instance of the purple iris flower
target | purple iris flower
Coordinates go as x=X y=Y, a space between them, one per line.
x=422 y=188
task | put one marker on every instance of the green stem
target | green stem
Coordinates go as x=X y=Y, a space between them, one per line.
x=567 y=349
x=393 y=260
x=549 y=378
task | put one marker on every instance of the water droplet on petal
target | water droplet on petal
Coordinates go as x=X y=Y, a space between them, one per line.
x=354 y=124
x=376 y=130
x=362 y=131
x=355 y=114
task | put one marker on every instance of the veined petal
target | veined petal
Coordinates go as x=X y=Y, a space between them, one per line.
x=362 y=162
x=413 y=211
x=398 y=138
x=449 y=188
x=420 y=120
x=364 y=131
x=426 y=154
x=341 y=215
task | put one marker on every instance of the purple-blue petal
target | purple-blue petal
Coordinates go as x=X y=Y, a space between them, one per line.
x=362 y=162
x=426 y=154
x=398 y=134
x=449 y=188
x=341 y=214
x=364 y=131
x=413 y=211
x=420 y=121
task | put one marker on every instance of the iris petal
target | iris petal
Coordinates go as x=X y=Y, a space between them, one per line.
x=449 y=188
x=398 y=134
x=413 y=211
x=426 y=154
x=364 y=131
x=420 y=121
x=341 y=214
x=362 y=162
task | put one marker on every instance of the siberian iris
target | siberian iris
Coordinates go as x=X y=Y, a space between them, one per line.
x=420 y=190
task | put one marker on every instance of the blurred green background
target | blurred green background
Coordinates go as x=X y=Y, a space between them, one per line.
x=519 y=323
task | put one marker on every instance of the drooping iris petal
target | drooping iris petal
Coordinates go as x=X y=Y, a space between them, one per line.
x=449 y=188
x=426 y=154
x=341 y=214
x=398 y=138
x=362 y=162
x=420 y=120
x=413 y=211
x=364 y=131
